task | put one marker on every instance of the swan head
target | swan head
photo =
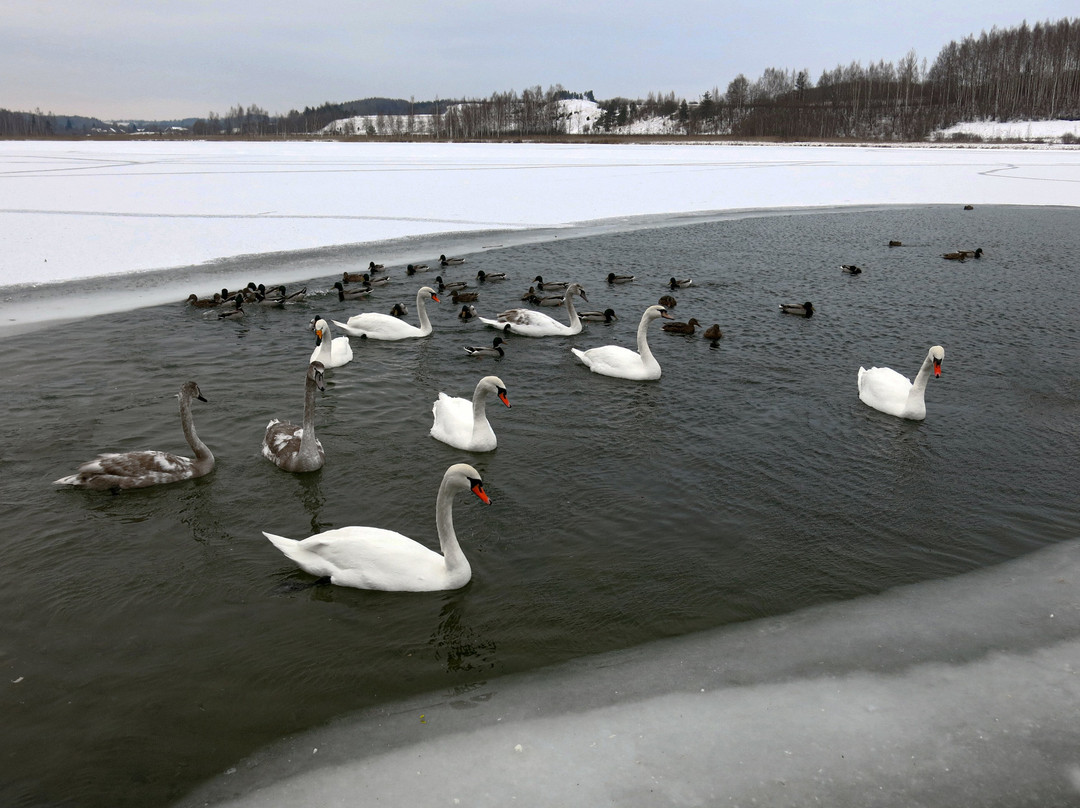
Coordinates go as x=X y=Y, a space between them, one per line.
x=427 y=290
x=463 y=477
x=321 y=329
x=656 y=312
x=315 y=373
x=937 y=353
x=573 y=289
x=190 y=390
x=496 y=385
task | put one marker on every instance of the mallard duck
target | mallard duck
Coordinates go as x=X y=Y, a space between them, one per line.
x=467 y=313
x=412 y=269
x=799 y=309
x=351 y=294
x=680 y=283
x=449 y=287
x=375 y=558
x=893 y=394
x=380 y=281
x=713 y=333
x=681 y=328
x=236 y=312
x=552 y=301
x=352 y=277
x=963 y=255
x=490 y=276
x=976 y=253
x=550 y=286
x=605 y=316
x=450 y=262
x=458 y=296
x=850 y=269
x=496 y=348
x=613 y=278
x=399 y=310
x=530 y=294
x=119 y=471
x=206 y=302
x=667 y=301
x=896 y=243
x=373 y=267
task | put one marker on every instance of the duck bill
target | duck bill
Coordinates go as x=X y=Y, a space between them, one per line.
x=478 y=489
x=503 y=398
x=937 y=367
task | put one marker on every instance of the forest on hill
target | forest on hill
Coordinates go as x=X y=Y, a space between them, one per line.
x=1020 y=73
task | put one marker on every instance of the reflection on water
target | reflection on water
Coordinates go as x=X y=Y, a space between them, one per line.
x=160 y=626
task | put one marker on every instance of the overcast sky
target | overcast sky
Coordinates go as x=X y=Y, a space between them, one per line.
x=166 y=59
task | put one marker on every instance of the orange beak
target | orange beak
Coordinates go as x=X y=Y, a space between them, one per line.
x=937 y=367
x=503 y=398
x=318 y=333
x=435 y=297
x=478 y=489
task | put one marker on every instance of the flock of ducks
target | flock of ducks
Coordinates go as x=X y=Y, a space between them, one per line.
x=375 y=558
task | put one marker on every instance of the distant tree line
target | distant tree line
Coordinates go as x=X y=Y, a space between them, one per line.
x=1026 y=72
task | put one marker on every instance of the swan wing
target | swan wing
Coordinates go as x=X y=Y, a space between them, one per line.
x=614 y=360
x=884 y=389
x=134 y=470
x=375 y=325
x=455 y=425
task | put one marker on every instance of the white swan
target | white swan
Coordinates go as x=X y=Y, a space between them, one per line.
x=529 y=323
x=375 y=325
x=375 y=558
x=615 y=360
x=462 y=423
x=330 y=352
x=894 y=394
x=295 y=448
x=113 y=472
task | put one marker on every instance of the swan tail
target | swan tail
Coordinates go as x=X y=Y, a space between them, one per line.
x=71 y=479
x=579 y=354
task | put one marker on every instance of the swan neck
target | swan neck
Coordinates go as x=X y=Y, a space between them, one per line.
x=444 y=524
x=568 y=301
x=421 y=309
x=643 y=340
x=188 y=423
x=918 y=387
x=479 y=408
x=307 y=435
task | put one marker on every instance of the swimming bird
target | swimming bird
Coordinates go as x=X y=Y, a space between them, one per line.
x=798 y=309
x=529 y=323
x=605 y=316
x=412 y=269
x=276 y=297
x=467 y=313
x=895 y=243
x=963 y=255
x=462 y=423
x=894 y=394
x=449 y=287
x=380 y=281
x=681 y=328
x=375 y=558
x=141 y=469
x=399 y=310
x=680 y=283
x=295 y=448
x=623 y=363
x=550 y=286
x=206 y=302
x=376 y=325
x=851 y=269
x=351 y=294
x=490 y=276
x=372 y=267
x=551 y=301
x=529 y=294
x=496 y=348
x=613 y=278
x=351 y=277
x=667 y=301
x=458 y=296
x=330 y=351
x=713 y=333
x=450 y=262
x=236 y=312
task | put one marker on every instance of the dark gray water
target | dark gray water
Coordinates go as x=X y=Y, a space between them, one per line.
x=154 y=638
